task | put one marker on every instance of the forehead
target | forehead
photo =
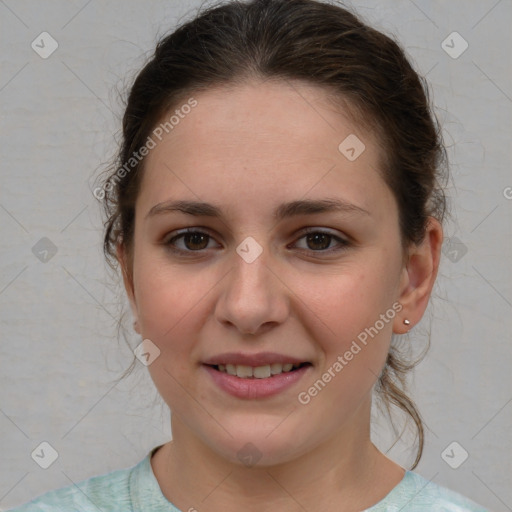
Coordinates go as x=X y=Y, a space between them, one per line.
x=263 y=137
x=267 y=112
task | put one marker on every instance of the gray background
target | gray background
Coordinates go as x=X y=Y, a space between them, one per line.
x=59 y=348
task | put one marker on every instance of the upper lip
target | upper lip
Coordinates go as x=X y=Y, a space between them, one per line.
x=259 y=359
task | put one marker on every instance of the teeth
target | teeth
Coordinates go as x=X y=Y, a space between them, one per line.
x=243 y=371
x=261 y=372
x=258 y=372
x=231 y=369
x=276 y=368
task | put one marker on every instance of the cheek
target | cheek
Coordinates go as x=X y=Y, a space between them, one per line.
x=166 y=296
x=350 y=302
x=169 y=302
x=357 y=309
x=174 y=303
x=356 y=313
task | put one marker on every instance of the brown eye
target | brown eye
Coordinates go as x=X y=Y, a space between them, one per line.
x=195 y=241
x=318 y=241
x=189 y=241
x=322 y=242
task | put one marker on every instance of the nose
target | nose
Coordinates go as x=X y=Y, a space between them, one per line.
x=253 y=298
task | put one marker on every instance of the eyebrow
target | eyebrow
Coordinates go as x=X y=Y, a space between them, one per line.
x=285 y=210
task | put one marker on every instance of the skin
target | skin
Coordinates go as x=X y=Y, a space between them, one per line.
x=248 y=149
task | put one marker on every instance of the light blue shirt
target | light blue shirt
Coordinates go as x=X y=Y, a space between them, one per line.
x=136 y=489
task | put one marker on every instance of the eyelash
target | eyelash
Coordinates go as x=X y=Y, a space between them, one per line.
x=169 y=243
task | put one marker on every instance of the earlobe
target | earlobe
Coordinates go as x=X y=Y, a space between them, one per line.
x=128 y=283
x=418 y=277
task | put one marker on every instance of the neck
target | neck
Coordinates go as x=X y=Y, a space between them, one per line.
x=343 y=473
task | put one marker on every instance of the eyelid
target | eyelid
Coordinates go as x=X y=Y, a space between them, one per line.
x=180 y=232
x=191 y=229
x=343 y=242
x=314 y=229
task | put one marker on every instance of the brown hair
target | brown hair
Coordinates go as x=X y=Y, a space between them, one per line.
x=312 y=41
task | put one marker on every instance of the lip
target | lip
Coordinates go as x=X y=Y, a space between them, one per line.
x=259 y=359
x=253 y=388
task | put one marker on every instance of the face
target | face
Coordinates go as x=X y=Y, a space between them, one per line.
x=271 y=274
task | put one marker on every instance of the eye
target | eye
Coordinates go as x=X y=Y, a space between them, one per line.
x=190 y=240
x=320 y=241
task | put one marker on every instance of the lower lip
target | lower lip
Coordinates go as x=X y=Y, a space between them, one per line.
x=255 y=388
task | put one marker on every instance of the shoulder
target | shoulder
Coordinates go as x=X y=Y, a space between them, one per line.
x=102 y=492
x=417 y=494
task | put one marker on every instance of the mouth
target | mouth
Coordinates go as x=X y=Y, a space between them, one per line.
x=256 y=375
x=258 y=372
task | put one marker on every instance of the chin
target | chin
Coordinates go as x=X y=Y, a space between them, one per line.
x=256 y=448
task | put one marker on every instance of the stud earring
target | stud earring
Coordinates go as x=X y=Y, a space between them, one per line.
x=407 y=322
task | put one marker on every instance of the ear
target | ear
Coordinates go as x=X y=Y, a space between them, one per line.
x=418 y=277
x=125 y=265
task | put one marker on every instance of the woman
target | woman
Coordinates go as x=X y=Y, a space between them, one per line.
x=276 y=214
